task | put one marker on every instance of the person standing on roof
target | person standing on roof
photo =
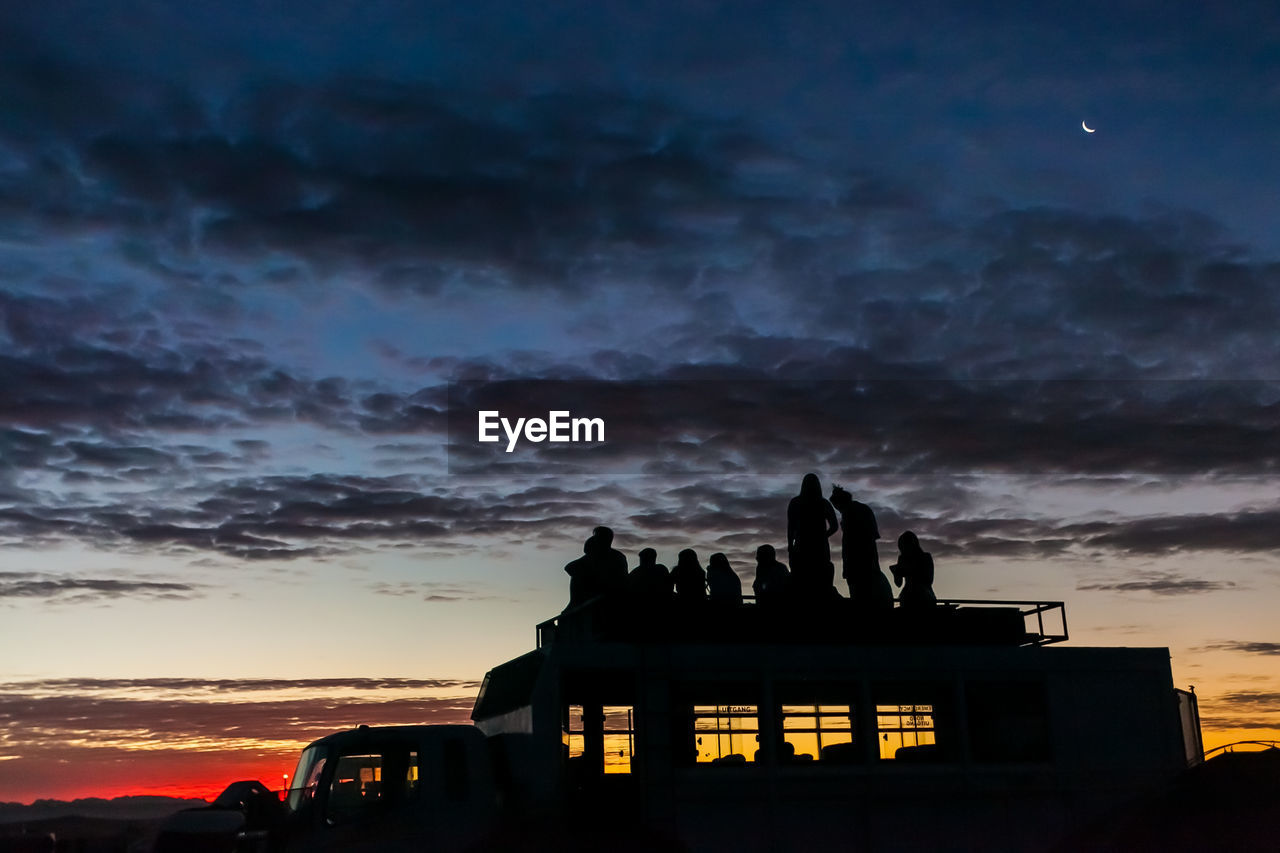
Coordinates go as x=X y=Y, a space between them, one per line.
x=868 y=587
x=810 y=522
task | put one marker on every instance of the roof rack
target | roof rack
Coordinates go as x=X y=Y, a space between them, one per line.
x=963 y=621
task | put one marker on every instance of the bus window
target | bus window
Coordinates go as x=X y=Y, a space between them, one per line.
x=362 y=783
x=356 y=787
x=726 y=734
x=571 y=732
x=822 y=733
x=617 y=733
x=619 y=738
x=905 y=731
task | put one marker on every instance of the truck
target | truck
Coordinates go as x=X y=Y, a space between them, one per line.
x=969 y=725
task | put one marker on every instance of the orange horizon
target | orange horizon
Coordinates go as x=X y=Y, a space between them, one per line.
x=1224 y=737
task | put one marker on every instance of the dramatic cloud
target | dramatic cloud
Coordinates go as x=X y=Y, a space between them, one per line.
x=1247 y=709
x=1251 y=700
x=188 y=686
x=437 y=592
x=414 y=190
x=195 y=714
x=319 y=516
x=290 y=517
x=159 y=391
x=1245 y=531
x=20 y=585
x=1160 y=584
x=1253 y=648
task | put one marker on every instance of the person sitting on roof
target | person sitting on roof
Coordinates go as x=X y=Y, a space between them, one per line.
x=915 y=568
x=600 y=570
x=723 y=581
x=772 y=577
x=649 y=584
x=689 y=578
x=584 y=575
x=613 y=565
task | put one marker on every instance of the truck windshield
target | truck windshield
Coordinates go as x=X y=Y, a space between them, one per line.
x=306 y=778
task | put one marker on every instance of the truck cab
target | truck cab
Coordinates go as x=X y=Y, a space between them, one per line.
x=391 y=788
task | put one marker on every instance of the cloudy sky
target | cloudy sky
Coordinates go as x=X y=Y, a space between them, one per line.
x=245 y=248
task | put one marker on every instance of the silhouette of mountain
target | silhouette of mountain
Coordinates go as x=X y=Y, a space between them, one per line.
x=118 y=808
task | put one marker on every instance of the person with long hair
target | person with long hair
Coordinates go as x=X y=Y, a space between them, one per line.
x=689 y=578
x=810 y=522
x=772 y=578
x=724 y=587
x=915 y=569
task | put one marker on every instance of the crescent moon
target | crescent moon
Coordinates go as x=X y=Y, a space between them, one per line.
x=1086 y=127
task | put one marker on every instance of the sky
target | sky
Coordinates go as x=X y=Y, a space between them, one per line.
x=246 y=248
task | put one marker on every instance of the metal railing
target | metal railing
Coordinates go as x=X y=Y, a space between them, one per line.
x=1031 y=610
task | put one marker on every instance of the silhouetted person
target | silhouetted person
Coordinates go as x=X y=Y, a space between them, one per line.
x=585 y=578
x=722 y=581
x=810 y=521
x=613 y=565
x=688 y=577
x=868 y=587
x=915 y=568
x=600 y=571
x=772 y=578
x=649 y=584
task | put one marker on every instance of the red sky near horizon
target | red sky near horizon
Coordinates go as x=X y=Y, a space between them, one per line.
x=191 y=737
